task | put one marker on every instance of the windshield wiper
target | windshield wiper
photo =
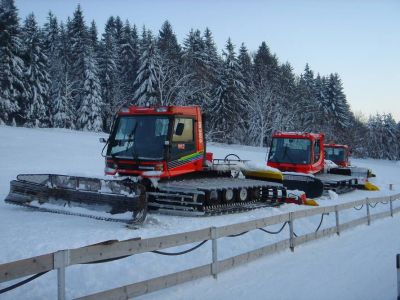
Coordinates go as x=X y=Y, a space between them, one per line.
x=132 y=138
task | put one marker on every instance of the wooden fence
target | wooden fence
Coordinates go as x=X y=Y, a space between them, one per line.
x=111 y=250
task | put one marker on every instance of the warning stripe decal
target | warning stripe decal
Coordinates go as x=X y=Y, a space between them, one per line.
x=186 y=159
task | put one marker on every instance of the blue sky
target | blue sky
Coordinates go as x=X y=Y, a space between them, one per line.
x=358 y=39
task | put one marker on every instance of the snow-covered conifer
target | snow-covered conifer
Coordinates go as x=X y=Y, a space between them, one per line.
x=63 y=109
x=51 y=40
x=35 y=107
x=109 y=73
x=382 y=137
x=306 y=103
x=168 y=45
x=145 y=82
x=246 y=65
x=129 y=60
x=229 y=106
x=89 y=113
x=94 y=42
x=12 y=88
x=79 y=39
x=62 y=114
x=202 y=63
x=337 y=105
x=265 y=66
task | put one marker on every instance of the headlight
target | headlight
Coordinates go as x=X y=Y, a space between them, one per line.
x=111 y=168
x=159 y=167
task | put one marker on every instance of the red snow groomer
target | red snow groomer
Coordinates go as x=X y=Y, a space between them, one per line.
x=299 y=153
x=337 y=153
x=165 y=148
x=158 y=158
x=340 y=155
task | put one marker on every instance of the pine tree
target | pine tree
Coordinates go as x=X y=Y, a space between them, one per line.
x=35 y=108
x=382 y=137
x=246 y=65
x=50 y=48
x=169 y=73
x=211 y=59
x=62 y=114
x=118 y=29
x=285 y=109
x=335 y=101
x=168 y=45
x=12 y=88
x=63 y=109
x=201 y=64
x=265 y=66
x=109 y=73
x=307 y=105
x=79 y=38
x=287 y=87
x=229 y=106
x=90 y=110
x=129 y=59
x=51 y=36
x=145 y=82
x=194 y=53
x=94 y=42
x=266 y=111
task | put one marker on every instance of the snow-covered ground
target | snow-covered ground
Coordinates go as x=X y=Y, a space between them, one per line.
x=358 y=264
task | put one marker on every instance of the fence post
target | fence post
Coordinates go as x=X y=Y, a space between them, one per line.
x=291 y=231
x=398 y=275
x=368 y=214
x=391 y=186
x=391 y=206
x=61 y=261
x=337 y=220
x=214 y=265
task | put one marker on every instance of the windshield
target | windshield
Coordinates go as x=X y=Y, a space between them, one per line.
x=334 y=154
x=286 y=150
x=139 y=137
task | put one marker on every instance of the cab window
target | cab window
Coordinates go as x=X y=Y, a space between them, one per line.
x=183 y=130
x=182 y=138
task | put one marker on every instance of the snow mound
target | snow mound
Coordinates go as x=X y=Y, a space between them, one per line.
x=257 y=166
x=332 y=195
x=328 y=164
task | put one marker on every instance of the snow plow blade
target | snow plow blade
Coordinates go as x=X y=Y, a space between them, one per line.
x=110 y=196
x=309 y=184
x=268 y=175
x=352 y=171
x=310 y=202
x=370 y=186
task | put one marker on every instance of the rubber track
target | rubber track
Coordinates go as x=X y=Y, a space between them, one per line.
x=217 y=210
x=63 y=212
x=214 y=210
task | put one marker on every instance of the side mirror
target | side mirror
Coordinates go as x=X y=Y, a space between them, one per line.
x=103 y=140
x=179 y=129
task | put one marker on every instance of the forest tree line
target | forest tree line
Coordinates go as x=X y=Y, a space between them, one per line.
x=62 y=75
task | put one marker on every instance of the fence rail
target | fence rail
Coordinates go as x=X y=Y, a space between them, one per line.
x=111 y=250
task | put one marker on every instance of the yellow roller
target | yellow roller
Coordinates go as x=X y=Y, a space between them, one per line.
x=271 y=175
x=370 y=186
x=310 y=202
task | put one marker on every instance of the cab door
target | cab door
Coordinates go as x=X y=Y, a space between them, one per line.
x=317 y=156
x=183 y=138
